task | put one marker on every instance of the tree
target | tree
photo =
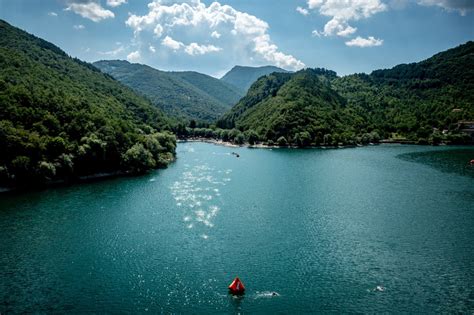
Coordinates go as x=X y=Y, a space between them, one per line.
x=46 y=170
x=56 y=146
x=21 y=167
x=138 y=159
x=252 y=136
x=282 y=142
x=303 y=139
x=240 y=138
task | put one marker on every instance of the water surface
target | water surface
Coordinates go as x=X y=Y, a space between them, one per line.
x=323 y=228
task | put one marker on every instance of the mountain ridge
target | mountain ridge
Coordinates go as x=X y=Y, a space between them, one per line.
x=244 y=76
x=186 y=94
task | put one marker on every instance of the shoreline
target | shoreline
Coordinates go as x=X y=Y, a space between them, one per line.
x=266 y=146
x=104 y=176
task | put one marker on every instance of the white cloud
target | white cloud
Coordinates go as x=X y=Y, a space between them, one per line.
x=348 y=9
x=314 y=3
x=171 y=43
x=344 y=11
x=462 y=6
x=79 y=27
x=112 y=53
x=115 y=3
x=316 y=33
x=90 y=10
x=193 y=16
x=339 y=28
x=215 y=34
x=196 y=49
x=364 y=42
x=152 y=49
x=302 y=10
x=158 y=31
x=270 y=53
x=133 y=56
x=52 y=13
x=192 y=49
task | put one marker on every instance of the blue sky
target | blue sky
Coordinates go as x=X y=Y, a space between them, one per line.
x=347 y=36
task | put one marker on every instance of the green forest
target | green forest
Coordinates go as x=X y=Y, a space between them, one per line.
x=186 y=95
x=418 y=103
x=61 y=118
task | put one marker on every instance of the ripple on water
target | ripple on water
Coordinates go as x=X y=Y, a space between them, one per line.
x=197 y=193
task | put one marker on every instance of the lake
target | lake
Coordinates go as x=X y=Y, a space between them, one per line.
x=322 y=228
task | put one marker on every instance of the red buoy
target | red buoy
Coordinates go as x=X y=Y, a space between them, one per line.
x=236 y=287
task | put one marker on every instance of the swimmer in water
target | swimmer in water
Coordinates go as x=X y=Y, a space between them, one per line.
x=379 y=288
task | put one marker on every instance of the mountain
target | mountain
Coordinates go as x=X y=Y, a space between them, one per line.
x=315 y=106
x=189 y=95
x=61 y=118
x=244 y=77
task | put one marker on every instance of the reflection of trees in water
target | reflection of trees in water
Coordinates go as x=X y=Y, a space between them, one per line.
x=448 y=161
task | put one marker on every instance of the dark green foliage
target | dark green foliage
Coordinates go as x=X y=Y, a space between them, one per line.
x=61 y=118
x=251 y=136
x=244 y=77
x=223 y=92
x=188 y=95
x=264 y=87
x=315 y=107
x=290 y=108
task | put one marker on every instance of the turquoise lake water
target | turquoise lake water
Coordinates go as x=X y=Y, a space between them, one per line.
x=323 y=228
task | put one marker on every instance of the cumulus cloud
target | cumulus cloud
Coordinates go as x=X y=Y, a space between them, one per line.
x=171 y=43
x=89 y=10
x=344 y=11
x=302 y=10
x=151 y=49
x=115 y=3
x=364 y=42
x=339 y=28
x=52 y=13
x=79 y=27
x=462 y=6
x=196 y=49
x=192 y=49
x=215 y=34
x=133 y=56
x=245 y=32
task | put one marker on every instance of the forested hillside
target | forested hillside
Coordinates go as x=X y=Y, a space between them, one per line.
x=61 y=118
x=414 y=102
x=243 y=77
x=188 y=95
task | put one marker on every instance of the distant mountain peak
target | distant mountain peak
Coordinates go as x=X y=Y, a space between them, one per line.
x=186 y=94
x=243 y=77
